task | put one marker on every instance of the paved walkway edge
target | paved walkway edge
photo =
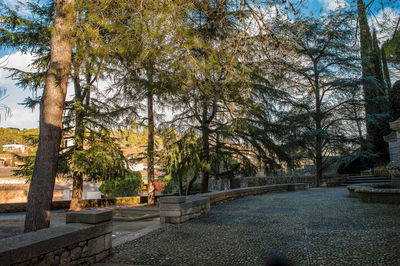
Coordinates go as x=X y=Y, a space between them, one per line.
x=136 y=234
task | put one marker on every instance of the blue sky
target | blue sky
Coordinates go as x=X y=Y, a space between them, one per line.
x=22 y=117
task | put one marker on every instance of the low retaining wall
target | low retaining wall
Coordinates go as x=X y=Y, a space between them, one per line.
x=177 y=210
x=222 y=196
x=85 y=239
x=326 y=181
x=180 y=209
x=369 y=194
x=64 y=204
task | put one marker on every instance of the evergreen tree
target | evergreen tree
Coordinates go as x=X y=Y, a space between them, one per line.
x=375 y=90
x=317 y=53
x=144 y=66
x=213 y=74
x=51 y=110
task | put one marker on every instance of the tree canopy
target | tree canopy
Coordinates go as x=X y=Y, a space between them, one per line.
x=212 y=88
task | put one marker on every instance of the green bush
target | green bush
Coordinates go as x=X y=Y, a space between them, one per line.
x=126 y=186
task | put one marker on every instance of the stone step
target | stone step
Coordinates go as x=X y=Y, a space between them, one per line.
x=367 y=182
x=367 y=179
x=360 y=176
x=352 y=180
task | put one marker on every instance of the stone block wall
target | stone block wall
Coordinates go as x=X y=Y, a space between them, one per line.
x=179 y=209
x=394 y=141
x=84 y=240
x=64 y=204
x=326 y=181
x=222 y=196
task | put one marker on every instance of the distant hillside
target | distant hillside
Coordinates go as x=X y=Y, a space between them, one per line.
x=16 y=136
x=133 y=141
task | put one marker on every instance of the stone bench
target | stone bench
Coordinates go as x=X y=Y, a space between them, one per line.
x=85 y=239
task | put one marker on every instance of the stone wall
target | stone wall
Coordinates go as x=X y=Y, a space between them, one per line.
x=372 y=194
x=57 y=205
x=222 y=196
x=13 y=193
x=394 y=141
x=85 y=239
x=326 y=181
x=179 y=209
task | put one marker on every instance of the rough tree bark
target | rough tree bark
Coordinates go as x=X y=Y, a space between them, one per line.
x=318 y=127
x=77 y=191
x=77 y=185
x=205 y=132
x=51 y=110
x=190 y=185
x=150 y=149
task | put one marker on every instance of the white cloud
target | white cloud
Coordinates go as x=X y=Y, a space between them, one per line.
x=385 y=22
x=333 y=4
x=21 y=117
x=18 y=5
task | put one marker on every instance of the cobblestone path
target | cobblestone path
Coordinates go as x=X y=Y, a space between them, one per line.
x=312 y=227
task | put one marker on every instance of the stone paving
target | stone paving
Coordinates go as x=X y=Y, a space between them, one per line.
x=312 y=227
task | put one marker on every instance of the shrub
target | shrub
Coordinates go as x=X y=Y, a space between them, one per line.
x=126 y=186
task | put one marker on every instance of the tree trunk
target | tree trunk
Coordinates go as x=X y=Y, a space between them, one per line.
x=190 y=185
x=77 y=191
x=150 y=150
x=180 y=185
x=206 y=151
x=77 y=186
x=51 y=110
x=318 y=172
x=318 y=127
x=386 y=72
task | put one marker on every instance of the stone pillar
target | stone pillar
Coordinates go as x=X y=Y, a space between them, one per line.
x=98 y=247
x=394 y=147
x=177 y=210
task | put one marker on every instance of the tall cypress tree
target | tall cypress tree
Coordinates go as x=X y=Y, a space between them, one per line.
x=386 y=73
x=375 y=90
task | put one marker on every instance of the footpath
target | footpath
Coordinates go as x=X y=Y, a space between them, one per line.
x=312 y=227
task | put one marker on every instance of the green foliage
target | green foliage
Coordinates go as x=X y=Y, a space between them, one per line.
x=31 y=138
x=122 y=186
x=240 y=100
x=17 y=136
x=392 y=49
x=102 y=160
x=180 y=159
x=375 y=90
